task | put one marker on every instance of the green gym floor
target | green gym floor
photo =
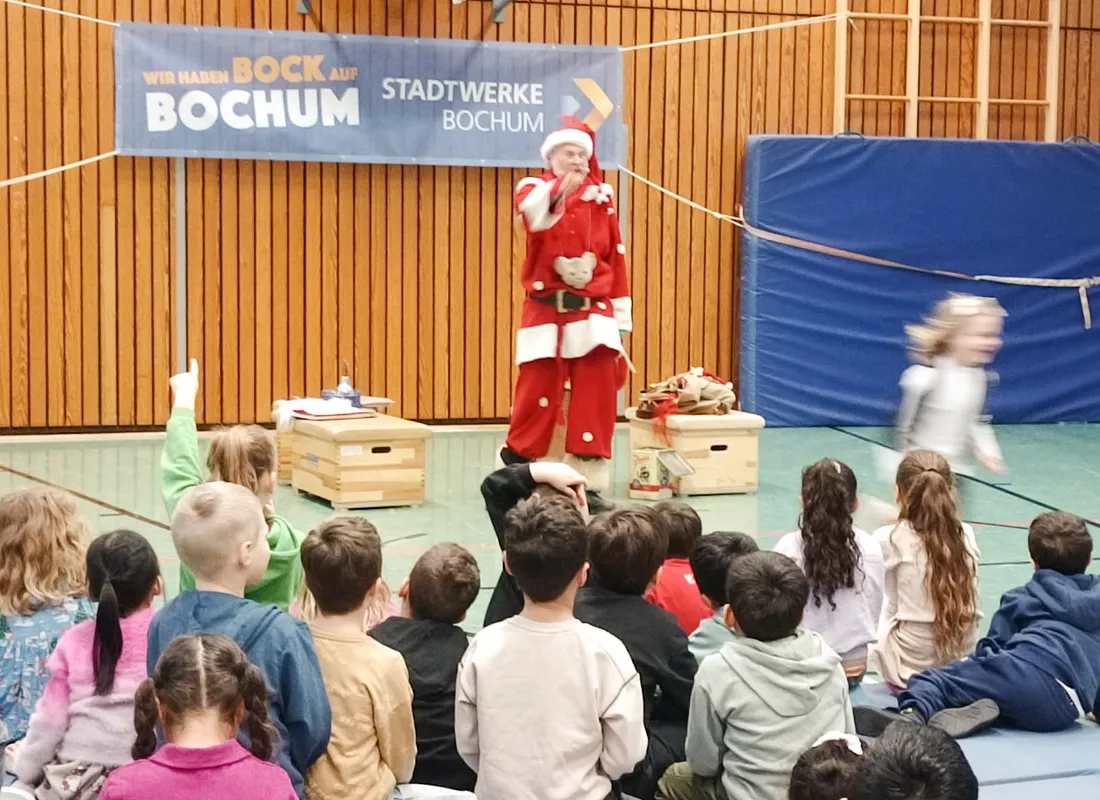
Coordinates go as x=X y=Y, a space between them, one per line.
x=118 y=478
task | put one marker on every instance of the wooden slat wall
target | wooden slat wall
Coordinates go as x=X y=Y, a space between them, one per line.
x=409 y=272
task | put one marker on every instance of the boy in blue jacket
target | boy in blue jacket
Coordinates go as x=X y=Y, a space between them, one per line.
x=1039 y=667
x=221 y=536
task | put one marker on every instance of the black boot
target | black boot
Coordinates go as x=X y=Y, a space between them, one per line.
x=510 y=457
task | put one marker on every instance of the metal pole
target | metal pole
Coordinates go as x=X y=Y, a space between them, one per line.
x=181 y=265
x=912 y=69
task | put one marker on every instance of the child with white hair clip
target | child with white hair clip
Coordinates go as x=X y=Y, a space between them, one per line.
x=827 y=770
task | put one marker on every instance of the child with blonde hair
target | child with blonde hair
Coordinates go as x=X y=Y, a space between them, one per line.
x=931 y=612
x=83 y=726
x=43 y=541
x=203 y=689
x=242 y=454
x=944 y=392
x=219 y=532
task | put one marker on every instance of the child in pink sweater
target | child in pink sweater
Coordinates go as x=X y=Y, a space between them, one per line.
x=83 y=725
x=203 y=690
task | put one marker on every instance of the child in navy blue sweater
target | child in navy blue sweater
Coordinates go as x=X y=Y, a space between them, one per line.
x=1039 y=667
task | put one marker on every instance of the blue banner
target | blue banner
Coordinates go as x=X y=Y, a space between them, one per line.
x=198 y=92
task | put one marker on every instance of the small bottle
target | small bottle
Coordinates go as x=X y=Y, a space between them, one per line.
x=346 y=391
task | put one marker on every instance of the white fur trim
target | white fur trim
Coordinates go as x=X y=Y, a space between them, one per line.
x=620 y=248
x=538 y=342
x=536 y=205
x=583 y=336
x=607 y=190
x=577 y=339
x=566 y=136
x=623 y=308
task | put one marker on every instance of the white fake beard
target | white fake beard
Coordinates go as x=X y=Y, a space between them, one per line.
x=558 y=172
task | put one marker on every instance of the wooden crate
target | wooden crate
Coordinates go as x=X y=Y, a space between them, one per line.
x=723 y=450
x=284 y=447
x=361 y=463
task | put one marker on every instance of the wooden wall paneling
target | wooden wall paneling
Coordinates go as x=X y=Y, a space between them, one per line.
x=683 y=258
x=108 y=296
x=727 y=92
x=669 y=208
x=142 y=322
x=1084 y=61
x=53 y=267
x=36 y=221
x=6 y=230
x=711 y=331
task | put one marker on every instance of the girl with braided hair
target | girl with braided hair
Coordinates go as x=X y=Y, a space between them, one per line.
x=203 y=690
x=844 y=565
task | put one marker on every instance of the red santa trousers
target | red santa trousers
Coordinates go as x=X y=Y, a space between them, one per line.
x=594 y=380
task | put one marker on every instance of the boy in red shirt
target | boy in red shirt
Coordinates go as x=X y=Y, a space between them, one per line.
x=675 y=589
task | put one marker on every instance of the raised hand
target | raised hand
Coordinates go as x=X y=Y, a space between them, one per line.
x=185 y=387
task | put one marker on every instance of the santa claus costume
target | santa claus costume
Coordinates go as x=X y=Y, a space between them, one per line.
x=576 y=310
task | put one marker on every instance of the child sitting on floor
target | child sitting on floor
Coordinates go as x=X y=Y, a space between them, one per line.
x=843 y=564
x=43 y=581
x=502 y=491
x=826 y=771
x=439 y=591
x=219 y=532
x=547 y=706
x=626 y=548
x=931 y=611
x=83 y=726
x=766 y=697
x=675 y=591
x=710 y=563
x=914 y=762
x=1039 y=667
x=202 y=691
x=244 y=455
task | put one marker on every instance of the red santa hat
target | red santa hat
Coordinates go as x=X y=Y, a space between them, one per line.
x=574 y=132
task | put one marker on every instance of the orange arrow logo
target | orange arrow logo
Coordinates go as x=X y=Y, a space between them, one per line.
x=601 y=103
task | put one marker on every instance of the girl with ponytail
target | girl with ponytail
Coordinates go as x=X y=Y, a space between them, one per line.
x=931 y=615
x=203 y=690
x=242 y=454
x=83 y=726
x=844 y=565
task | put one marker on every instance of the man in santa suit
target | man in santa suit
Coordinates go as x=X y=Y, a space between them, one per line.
x=576 y=311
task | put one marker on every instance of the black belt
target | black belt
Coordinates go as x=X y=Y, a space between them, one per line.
x=564 y=301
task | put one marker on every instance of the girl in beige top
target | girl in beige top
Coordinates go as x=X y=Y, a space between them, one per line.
x=930 y=616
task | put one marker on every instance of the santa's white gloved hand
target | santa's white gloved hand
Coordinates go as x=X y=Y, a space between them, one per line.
x=185 y=387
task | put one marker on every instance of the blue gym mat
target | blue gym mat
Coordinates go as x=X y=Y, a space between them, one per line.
x=1003 y=757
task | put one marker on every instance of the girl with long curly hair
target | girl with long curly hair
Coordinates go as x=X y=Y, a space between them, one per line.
x=931 y=615
x=203 y=689
x=843 y=564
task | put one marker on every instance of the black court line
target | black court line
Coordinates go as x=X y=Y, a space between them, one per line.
x=988 y=484
x=102 y=503
x=122 y=512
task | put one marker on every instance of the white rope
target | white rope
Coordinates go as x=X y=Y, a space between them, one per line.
x=1082 y=285
x=775 y=26
x=37 y=7
x=54 y=170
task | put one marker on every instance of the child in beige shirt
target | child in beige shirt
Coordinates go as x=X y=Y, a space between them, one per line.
x=372 y=751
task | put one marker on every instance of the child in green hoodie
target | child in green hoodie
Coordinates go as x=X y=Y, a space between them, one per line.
x=245 y=455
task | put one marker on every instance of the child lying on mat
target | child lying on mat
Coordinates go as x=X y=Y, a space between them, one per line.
x=1039 y=667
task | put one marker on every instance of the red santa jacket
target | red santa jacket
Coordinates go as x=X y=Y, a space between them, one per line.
x=574 y=247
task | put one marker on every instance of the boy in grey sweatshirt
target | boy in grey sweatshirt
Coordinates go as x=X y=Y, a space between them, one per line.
x=765 y=697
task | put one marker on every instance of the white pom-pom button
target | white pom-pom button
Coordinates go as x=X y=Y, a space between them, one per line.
x=543 y=402
x=538 y=286
x=601 y=306
x=729 y=385
x=621 y=248
x=587 y=436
